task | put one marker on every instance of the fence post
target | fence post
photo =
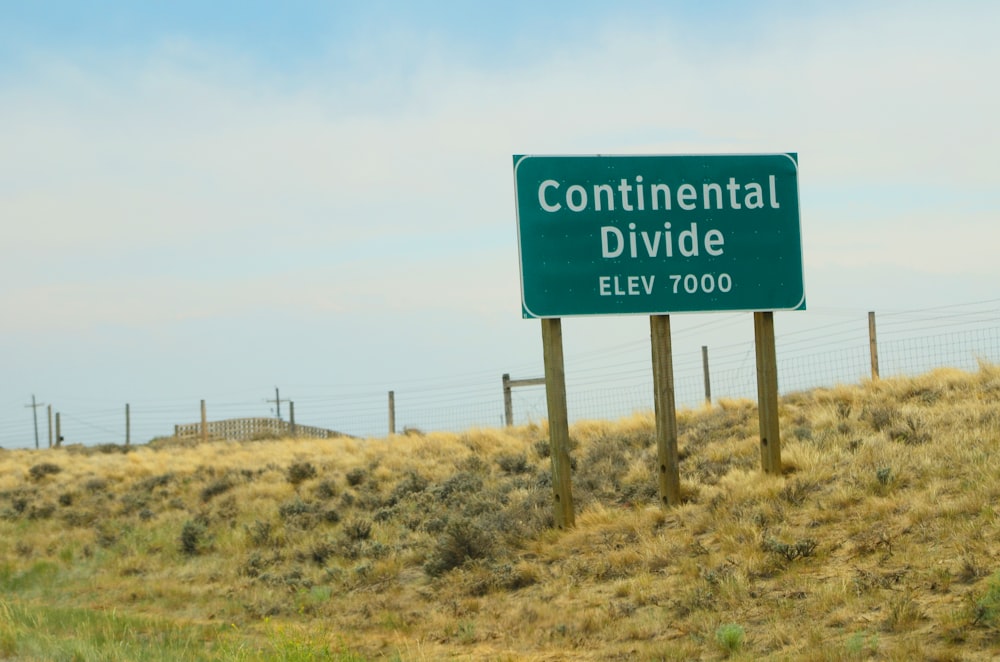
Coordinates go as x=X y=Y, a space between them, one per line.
x=204 y=423
x=392 y=412
x=34 y=413
x=50 y=426
x=873 y=344
x=291 y=418
x=128 y=426
x=59 y=438
x=704 y=369
x=508 y=402
x=508 y=387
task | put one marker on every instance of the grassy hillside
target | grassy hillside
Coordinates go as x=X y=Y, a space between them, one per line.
x=881 y=540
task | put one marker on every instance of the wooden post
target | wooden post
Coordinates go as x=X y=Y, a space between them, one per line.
x=50 y=426
x=767 y=392
x=873 y=344
x=34 y=413
x=59 y=438
x=704 y=369
x=665 y=407
x=392 y=412
x=204 y=423
x=291 y=418
x=555 y=396
x=128 y=426
x=508 y=402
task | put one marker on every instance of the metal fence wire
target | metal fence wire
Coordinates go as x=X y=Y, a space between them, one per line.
x=609 y=383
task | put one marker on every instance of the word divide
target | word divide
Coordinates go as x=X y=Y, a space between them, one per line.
x=611 y=235
x=630 y=194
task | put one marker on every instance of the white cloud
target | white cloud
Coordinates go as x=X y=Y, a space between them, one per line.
x=189 y=156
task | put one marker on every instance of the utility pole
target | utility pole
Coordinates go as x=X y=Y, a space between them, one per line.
x=277 y=401
x=34 y=411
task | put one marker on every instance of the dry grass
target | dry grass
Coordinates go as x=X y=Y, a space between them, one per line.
x=880 y=540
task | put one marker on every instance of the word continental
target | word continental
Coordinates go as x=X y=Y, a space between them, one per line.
x=632 y=196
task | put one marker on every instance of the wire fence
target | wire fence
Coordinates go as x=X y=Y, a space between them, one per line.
x=607 y=383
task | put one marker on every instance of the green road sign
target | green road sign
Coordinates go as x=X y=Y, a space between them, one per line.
x=609 y=235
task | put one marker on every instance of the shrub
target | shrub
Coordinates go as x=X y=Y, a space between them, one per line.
x=151 y=483
x=42 y=511
x=331 y=516
x=455 y=488
x=299 y=472
x=321 y=551
x=39 y=471
x=412 y=483
x=543 y=448
x=358 y=529
x=299 y=513
x=800 y=549
x=326 y=489
x=192 y=537
x=463 y=540
x=259 y=533
x=19 y=503
x=355 y=476
x=216 y=488
x=514 y=463
x=96 y=485
x=884 y=475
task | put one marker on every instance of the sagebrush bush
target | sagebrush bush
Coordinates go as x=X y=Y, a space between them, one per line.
x=326 y=489
x=358 y=529
x=412 y=483
x=462 y=540
x=259 y=533
x=215 y=488
x=299 y=472
x=356 y=476
x=514 y=463
x=44 y=469
x=299 y=514
x=456 y=488
x=192 y=537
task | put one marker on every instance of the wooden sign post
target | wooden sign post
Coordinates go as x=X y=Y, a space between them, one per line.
x=555 y=396
x=665 y=408
x=767 y=392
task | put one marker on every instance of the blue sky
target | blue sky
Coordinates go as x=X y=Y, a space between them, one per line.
x=208 y=199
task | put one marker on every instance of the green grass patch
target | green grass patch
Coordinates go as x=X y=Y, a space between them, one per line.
x=31 y=632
